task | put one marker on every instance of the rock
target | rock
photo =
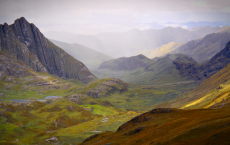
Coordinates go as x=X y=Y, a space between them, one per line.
x=2 y=94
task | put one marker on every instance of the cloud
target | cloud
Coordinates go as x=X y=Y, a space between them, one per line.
x=114 y=15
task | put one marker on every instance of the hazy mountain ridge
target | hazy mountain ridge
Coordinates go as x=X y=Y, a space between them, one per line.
x=26 y=43
x=204 y=48
x=132 y=41
x=91 y=58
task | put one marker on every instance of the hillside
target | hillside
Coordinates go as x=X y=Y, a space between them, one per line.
x=130 y=42
x=170 y=126
x=211 y=91
x=91 y=58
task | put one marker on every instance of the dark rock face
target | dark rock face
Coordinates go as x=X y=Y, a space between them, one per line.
x=26 y=43
x=188 y=67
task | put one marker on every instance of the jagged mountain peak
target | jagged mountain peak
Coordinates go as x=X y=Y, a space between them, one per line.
x=26 y=43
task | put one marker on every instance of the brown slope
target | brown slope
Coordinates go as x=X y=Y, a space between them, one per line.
x=170 y=126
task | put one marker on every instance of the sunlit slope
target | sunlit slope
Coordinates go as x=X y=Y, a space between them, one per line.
x=170 y=126
x=161 y=51
x=91 y=58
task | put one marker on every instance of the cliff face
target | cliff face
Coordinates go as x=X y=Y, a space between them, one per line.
x=26 y=43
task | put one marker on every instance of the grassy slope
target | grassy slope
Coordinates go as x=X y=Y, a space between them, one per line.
x=34 y=122
x=213 y=90
x=171 y=126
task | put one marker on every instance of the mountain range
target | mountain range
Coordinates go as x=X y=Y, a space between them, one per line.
x=171 y=68
x=130 y=42
x=206 y=46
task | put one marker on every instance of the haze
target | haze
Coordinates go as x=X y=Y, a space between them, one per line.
x=93 y=17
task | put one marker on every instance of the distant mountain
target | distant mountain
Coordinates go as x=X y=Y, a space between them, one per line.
x=91 y=58
x=27 y=46
x=140 y=69
x=130 y=42
x=126 y=63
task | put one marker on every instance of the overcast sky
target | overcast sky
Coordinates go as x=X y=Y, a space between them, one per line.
x=96 y=16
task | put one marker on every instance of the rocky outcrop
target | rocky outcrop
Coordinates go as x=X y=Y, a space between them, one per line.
x=106 y=88
x=26 y=43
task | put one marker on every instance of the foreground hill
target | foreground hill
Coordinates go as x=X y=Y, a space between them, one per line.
x=130 y=42
x=170 y=126
x=24 y=43
x=91 y=58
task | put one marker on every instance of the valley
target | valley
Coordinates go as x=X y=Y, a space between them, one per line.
x=54 y=92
